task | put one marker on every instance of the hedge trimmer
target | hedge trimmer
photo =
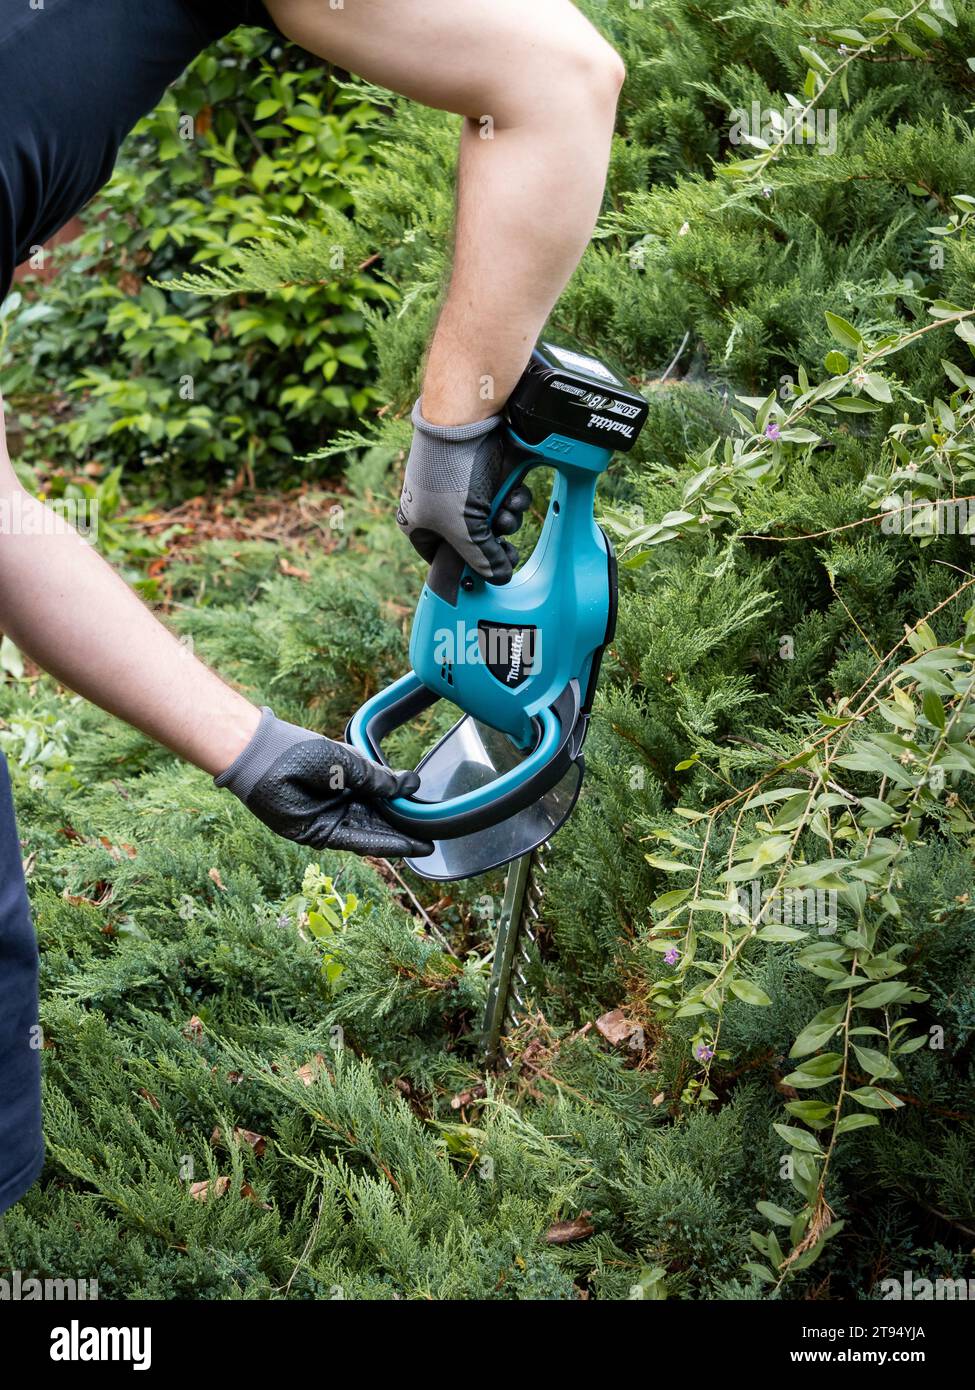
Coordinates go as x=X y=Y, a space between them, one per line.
x=520 y=661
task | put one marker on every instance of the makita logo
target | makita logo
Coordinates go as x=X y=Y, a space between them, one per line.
x=600 y=422
x=517 y=647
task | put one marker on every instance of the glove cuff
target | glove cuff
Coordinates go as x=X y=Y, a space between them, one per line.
x=443 y=457
x=453 y=434
x=271 y=738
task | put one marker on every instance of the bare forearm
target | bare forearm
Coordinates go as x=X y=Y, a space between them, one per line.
x=72 y=614
x=528 y=200
x=538 y=87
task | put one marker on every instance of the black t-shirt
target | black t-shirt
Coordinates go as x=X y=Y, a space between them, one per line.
x=75 y=77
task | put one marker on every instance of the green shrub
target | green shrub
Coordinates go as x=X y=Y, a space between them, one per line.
x=191 y=391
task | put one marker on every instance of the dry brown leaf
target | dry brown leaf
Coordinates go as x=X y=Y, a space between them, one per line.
x=292 y=571
x=116 y=851
x=147 y=1095
x=200 y=1191
x=248 y=1192
x=309 y=1073
x=256 y=1141
x=562 y=1232
x=615 y=1027
x=79 y=900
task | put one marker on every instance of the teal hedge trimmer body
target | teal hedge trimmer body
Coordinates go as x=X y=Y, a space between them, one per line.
x=520 y=660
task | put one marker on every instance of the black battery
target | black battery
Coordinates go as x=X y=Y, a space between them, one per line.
x=573 y=394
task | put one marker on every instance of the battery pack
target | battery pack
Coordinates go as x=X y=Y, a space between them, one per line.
x=563 y=392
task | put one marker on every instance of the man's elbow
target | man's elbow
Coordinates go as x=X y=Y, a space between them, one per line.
x=615 y=71
x=597 y=69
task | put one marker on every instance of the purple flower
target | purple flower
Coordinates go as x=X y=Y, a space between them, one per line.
x=703 y=1053
x=772 y=430
x=672 y=956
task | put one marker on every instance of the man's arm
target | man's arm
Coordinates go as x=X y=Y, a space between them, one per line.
x=535 y=77
x=72 y=614
x=69 y=611
x=538 y=87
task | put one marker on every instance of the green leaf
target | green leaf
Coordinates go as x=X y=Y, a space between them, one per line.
x=813 y=1112
x=849 y=1122
x=818 y=1032
x=876 y=1063
x=799 y=1139
x=750 y=993
x=668 y=866
x=11 y=659
x=878 y=995
x=928 y=25
x=814 y=59
x=826 y=1064
x=854 y=405
x=766 y=798
x=908 y=44
x=668 y=900
x=934 y=710
x=843 y=331
x=875 y=1098
x=778 y=1215
x=876 y=387
x=946 y=10
x=806 y=1081
x=955 y=374
x=779 y=934
x=261 y=174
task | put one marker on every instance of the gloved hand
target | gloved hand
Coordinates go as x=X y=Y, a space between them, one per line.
x=317 y=792
x=452 y=476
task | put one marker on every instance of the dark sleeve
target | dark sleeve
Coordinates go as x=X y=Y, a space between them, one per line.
x=215 y=18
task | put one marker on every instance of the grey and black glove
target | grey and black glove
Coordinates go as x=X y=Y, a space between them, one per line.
x=317 y=792
x=453 y=474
